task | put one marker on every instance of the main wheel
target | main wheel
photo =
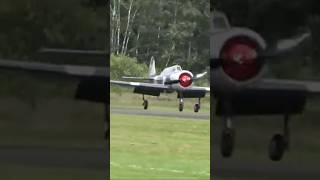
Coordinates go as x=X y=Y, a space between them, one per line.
x=180 y=106
x=277 y=147
x=196 y=107
x=145 y=104
x=227 y=142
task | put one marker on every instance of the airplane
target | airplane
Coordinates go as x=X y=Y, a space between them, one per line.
x=171 y=79
x=93 y=81
x=238 y=65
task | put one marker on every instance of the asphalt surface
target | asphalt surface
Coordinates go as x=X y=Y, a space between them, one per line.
x=160 y=112
x=245 y=169
x=37 y=156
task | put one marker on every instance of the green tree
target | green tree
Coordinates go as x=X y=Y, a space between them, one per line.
x=173 y=31
x=31 y=24
x=125 y=66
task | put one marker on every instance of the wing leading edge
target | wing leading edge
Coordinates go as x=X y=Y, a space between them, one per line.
x=67 y=70
x=273 y=96
x=93 y=85
x=311 y=87
x=156 y=89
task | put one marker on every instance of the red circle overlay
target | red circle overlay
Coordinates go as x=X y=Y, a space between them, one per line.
x=185 y=79
x=240 y=58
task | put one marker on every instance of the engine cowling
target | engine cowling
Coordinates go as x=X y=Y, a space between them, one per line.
x=239 y=58
x=185 y=79
x=181 y=79
x=235 y=58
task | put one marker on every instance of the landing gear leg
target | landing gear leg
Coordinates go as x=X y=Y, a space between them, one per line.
x=145 y=103
x=196 y=107
x=227 y=138
x=181 y=104
x=279 y=143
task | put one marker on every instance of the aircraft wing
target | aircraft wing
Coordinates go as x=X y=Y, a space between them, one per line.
x=156 y=89
x=194 y=92
x=311 y=87
x=67 y=70
x=93 y=81
x=270 y=96
x=198 y=88
x=73 y=52
x=143 y=88
x=140 y=84
x=137 y=78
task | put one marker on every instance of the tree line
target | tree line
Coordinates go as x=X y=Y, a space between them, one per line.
x=173 y=31
x=29 y=25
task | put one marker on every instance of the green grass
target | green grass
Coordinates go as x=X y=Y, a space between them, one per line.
x=159 y=148
x=164 y=101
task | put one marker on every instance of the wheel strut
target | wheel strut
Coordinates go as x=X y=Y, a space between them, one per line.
x=227 y=138
x=181 y=104
x=145 y=102
x=280 y=143
x=197 y=106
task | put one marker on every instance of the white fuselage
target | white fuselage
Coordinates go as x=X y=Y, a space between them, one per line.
x=171 y=75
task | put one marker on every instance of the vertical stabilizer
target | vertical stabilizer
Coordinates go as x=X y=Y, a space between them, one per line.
x=152 y=67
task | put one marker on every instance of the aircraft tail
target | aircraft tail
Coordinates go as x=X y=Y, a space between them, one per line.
x=152 y=67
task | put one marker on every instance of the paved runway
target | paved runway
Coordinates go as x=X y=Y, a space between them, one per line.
x=37 y=156
x=245 y=169
x=160 y=112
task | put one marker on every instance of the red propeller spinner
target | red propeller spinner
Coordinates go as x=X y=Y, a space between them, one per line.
x=185 y=79
x=240 y=58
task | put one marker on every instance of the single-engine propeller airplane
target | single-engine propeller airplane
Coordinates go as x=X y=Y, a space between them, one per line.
x=238 y=63
x=93 y=81
x=171 y=79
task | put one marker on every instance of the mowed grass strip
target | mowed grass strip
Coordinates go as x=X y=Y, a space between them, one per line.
x=126 y=98
x=144 y=147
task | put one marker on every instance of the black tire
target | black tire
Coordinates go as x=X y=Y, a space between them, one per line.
x=145 y=104
x=180 y=107
x=227 y=142
x=196 y=108
x=277 y=147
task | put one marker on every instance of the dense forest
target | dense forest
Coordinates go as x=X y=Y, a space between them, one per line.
x=29 y=25
x=173 y=31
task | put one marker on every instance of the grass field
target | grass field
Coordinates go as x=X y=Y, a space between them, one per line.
x=164 y=101
x=159 y=148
